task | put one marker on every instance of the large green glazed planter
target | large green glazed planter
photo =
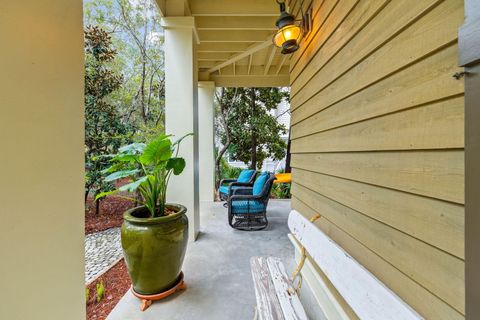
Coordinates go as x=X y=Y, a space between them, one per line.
x=154 y=248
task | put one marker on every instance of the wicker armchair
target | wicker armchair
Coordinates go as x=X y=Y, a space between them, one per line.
x=245 y=179
x=247 y=206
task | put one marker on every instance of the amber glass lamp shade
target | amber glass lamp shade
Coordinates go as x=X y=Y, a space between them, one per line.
x=287 y=38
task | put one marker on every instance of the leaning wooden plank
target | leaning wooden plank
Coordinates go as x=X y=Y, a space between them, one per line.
x=268 y=306
x=366 y=295
x=289 y=302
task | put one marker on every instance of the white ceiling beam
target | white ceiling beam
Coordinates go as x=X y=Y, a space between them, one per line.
x=232 y=47
x=251 y=81
x=211 y=59
x=234 y=8
x=236 y=23
x=233 y=36
x=246 y=53
x=213 y=56
x=282 y=62
x=242 y=70
x=268 y=63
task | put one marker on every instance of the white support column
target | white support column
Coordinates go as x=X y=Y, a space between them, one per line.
x=206 y=90
x=181 y=112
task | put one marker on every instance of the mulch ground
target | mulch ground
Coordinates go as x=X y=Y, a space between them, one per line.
x=110 y=215
x=116 y=282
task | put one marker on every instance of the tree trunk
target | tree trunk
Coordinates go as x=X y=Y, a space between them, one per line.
x=142 y=90
x=253 y=159
x=97 y=206
x=87 y=190
x=288 y=168
x=222 y=151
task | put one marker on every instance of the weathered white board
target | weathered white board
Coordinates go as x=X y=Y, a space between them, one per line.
x=368 y=297
x=268 y=305
x=289 y=302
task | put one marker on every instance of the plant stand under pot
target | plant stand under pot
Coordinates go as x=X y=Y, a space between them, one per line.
x=147 y=300
x=154 y=249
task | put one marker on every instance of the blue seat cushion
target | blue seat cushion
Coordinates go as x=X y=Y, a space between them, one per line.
x=259 y=183
x=224 y=189
x=245 y=176
x=247 y=206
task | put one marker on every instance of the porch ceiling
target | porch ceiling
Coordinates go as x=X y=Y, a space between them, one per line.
x=235 y=38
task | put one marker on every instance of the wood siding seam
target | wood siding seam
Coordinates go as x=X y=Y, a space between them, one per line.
x=433 y=50
x=459 y=255
x=421 y=128
x=378 y=168
x=453 y=313
x=296 y=73
x=313 y=33
x=446 y=98
x=366 y=86
x=389 y=38
x=377 y=142
x=430 y=280
x=406 y=89
x=379 y=185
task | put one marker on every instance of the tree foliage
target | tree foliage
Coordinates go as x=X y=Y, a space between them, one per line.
x=136 y=32
x=246 y=126
x=104 y=130
x=124 y=87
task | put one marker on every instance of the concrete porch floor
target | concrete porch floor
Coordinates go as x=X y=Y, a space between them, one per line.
x=217 y=270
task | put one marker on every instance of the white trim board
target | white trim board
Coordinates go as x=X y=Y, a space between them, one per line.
x=321 y=291
x=368 y=297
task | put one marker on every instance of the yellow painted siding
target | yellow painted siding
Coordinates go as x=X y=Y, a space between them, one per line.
x=377 y=142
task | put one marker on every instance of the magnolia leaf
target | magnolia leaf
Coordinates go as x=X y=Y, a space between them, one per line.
x=132 y=186
x=157 y=151
x=121 y=174
x=177 y=164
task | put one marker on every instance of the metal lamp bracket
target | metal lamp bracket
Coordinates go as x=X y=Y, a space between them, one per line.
x=306 y=22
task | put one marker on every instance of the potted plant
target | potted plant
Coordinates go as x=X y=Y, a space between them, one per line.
x=154 y=234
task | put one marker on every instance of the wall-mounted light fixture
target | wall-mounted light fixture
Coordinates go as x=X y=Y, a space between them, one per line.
x=289 y=32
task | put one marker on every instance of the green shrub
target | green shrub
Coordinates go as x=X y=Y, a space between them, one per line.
x=100 y=291
x=149 y=168
x=281 y=191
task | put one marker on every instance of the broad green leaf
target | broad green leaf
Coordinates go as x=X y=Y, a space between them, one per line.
x=121 y=174
x=133 y=148
x=113 y=168
x=126 y=158
x=157 y=151
x=132 y=187
x=177 y=164
x=104 y=194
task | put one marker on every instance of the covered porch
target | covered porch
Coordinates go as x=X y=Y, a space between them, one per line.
x=384 y=102
x=217 y=270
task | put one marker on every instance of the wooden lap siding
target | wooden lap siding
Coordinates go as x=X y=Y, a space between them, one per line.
x=378 y=138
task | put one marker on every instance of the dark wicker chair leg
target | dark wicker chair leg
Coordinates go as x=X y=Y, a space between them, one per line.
x=249 y=222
